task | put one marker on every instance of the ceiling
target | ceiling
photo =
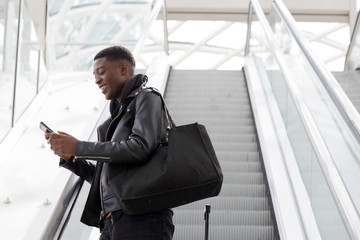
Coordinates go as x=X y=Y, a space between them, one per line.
x=339 y=11
x=304 y=10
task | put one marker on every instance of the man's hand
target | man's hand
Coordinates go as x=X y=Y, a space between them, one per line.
x=62 y=144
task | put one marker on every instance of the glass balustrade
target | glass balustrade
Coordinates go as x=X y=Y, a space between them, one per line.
x=28 y=65
x=21 y=66
x=8 y=37
x=325 y=211
x=338 y=138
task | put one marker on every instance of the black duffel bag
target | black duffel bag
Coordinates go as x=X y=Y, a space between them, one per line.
x=183 y=170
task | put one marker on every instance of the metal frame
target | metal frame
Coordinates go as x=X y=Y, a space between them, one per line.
x=19 y=27
x=340 y=99
x=95 y=12
x=341 y=196
x=200 y=44
x=351 y=46
x=154 y=13
x=67 y=12
x=248 y=33
x=166 y=34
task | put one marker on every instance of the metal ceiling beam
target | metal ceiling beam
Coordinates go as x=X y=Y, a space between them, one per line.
x=327 y=32
x=175 y=27
x=202 y=43
x=53 y=31
x=171 y=30
x=86 y=30
x=227 y=57
x=235 y=10
x=76 y=13
x=335 y=57
x=136 y=19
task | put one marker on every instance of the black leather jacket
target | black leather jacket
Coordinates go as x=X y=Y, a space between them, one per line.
x=124 y=138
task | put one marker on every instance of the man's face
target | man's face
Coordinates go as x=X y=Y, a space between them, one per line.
x=111 y=77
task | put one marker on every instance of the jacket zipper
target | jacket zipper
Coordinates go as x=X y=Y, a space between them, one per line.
x=90 y=157
x=107 y=131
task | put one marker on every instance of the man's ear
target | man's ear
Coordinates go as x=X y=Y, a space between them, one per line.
x=123 y=69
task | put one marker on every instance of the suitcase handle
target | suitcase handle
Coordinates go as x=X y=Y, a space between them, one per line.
x=206 y=218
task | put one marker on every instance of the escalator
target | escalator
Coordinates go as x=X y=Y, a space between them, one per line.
x=349 y=78
x=220 y=101
x=349 y=82
x=320 y=123
x=323 y=181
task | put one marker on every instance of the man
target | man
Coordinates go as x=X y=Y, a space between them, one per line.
x=128 y=137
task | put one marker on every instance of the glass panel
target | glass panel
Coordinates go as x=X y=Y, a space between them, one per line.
x=74 y=228
x=8 y=38
x=69 y=32
x=54 y=6
x=343 y=148
x=85 y=2
x=325 y=211
x=353 y=57
x=42 y=72
x=155 y=40
x=26 y=82
x=89 y=26
x=109 y=28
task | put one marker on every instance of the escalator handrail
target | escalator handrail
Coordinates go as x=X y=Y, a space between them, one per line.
x=337 y=94
x=344 y=202
x=355 y=33
x=338 y=190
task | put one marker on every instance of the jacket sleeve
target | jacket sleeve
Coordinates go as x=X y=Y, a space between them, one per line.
x=83 y=168
x=142 y=141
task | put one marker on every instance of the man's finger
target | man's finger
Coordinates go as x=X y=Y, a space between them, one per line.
x=58 y=152
x=63 y=133
x=54 y=147
x=54 y=142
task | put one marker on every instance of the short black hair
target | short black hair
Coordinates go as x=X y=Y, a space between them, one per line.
x=116 y=53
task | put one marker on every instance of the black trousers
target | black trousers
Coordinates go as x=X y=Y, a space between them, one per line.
x=120 y=226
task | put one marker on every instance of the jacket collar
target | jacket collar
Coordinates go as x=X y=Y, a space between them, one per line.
x=129 y=92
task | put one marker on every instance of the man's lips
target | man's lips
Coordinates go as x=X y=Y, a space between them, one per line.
x=103 y=88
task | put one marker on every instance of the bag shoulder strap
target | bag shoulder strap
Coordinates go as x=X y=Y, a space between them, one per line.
x=156 y=91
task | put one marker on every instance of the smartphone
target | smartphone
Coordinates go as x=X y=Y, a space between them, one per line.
x=45 y=128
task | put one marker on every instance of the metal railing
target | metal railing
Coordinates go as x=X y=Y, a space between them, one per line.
x=160 y=5
x=344 y=105
x=336 y=185
x=352 y=60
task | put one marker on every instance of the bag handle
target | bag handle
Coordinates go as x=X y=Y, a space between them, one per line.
x=156 y=91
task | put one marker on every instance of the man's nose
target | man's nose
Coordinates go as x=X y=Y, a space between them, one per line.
x=97 y=79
